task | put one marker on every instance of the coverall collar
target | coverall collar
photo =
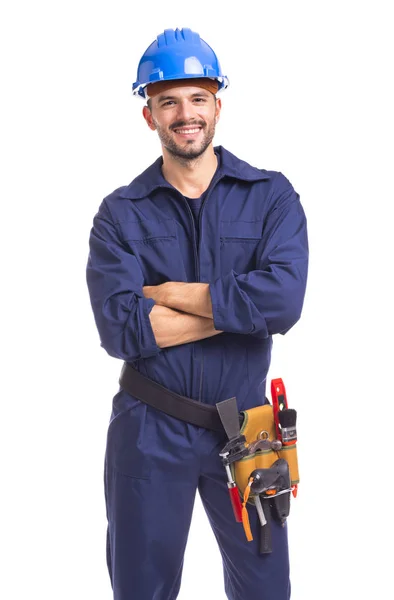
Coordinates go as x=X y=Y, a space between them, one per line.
x=230 y=166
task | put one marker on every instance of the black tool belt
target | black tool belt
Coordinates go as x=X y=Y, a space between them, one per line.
x=244 y=467
x=175 y=405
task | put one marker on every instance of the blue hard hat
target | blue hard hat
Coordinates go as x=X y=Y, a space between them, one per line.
x=177 y=54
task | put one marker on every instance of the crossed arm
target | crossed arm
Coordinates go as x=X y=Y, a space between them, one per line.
x=262 y=302
x=182 y=313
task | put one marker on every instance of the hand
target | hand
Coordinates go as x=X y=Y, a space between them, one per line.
x=156 y=292
x=190 y=298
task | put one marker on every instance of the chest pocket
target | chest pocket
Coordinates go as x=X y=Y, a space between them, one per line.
x=156 y=246
x=238 y=244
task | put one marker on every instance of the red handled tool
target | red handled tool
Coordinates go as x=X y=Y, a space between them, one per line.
x=285 y=418
x=234 y=450
x=279 y=403
x=234 y=496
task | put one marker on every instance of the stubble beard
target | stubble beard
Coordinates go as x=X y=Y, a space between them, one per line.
x=192 y=150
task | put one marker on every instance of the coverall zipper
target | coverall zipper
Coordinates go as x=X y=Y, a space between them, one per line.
x=197 y=273
x=202 y=371
x=196 y=252
x=195 y=248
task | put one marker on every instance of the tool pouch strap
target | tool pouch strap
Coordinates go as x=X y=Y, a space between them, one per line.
x=148 y=391
x=256 y=420
x=253 y=421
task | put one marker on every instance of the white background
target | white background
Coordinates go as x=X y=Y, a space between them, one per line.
x=311 y=96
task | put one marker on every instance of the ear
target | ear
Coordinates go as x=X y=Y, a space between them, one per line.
x=218 y=109
x=148 y=117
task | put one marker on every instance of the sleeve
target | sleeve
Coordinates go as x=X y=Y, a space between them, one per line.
x=268 y=300
x=115 y=282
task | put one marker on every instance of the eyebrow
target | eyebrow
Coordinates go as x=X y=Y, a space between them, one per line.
x=195 y=95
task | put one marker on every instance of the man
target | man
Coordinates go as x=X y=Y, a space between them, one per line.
x=193 y=267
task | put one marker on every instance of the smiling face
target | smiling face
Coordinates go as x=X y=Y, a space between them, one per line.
x=185 y=119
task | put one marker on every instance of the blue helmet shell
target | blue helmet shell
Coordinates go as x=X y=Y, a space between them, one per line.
x=177 y=54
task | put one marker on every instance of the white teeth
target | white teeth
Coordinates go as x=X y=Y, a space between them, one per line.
x=187 y=130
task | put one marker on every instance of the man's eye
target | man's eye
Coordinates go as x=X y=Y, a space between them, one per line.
x=168 y=103
x=199 y=100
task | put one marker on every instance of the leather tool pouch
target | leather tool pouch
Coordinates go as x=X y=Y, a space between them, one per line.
x=254 y=421
x=257 y=420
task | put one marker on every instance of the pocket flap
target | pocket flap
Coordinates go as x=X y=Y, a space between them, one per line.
x=241 y=229
x=148 y=229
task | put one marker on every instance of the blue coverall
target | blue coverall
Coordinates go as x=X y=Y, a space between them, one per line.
x=251 y=247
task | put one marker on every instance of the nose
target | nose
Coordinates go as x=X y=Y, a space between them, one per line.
x=185 y=110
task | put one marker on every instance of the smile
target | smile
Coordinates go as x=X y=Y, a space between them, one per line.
x=188 y=131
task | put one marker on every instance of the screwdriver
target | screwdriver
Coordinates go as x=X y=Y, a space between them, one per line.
x=260 y=511
x=234 y=495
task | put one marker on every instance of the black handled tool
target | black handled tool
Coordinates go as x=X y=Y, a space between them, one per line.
x=271 y=488
x=288 y=421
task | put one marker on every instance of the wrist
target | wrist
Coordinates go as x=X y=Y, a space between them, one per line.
x=166 y=295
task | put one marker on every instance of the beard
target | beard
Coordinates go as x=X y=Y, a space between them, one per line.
x=188 y=150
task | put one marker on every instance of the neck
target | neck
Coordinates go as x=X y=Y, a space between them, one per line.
x=190 y=177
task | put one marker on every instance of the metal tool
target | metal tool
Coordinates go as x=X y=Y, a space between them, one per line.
x=264 y=443
x=259 y=445
x=273 y=487
x=234 y=450
x=274 y=483
x=265 y=531
x=285 y=418
x=260 y=511
x=234 y=496
x=279 y=403
x=276 y=445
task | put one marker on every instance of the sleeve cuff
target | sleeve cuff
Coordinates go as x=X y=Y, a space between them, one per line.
x=148 y=345
x=232 y=310
x=218 y=320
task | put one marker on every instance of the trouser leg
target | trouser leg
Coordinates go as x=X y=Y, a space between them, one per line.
x=247 y=573
x=151 y=478
x=147 y=534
